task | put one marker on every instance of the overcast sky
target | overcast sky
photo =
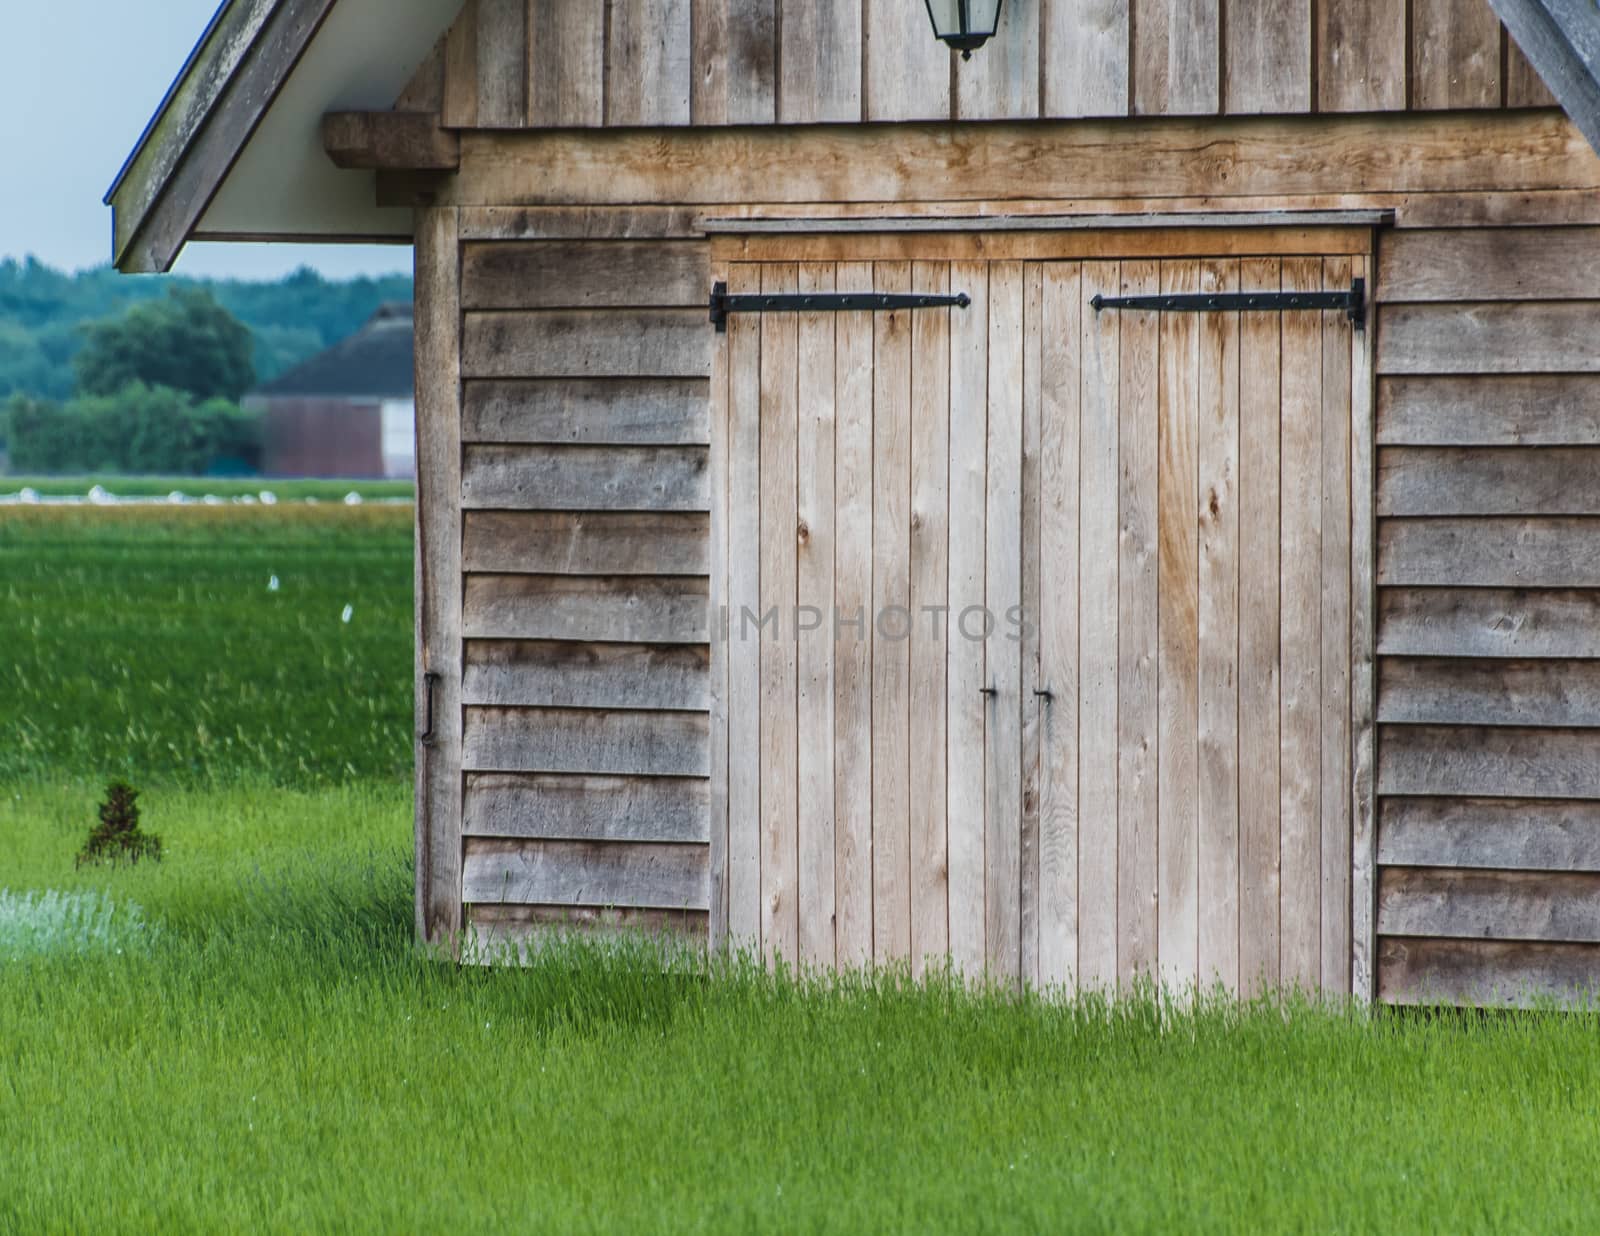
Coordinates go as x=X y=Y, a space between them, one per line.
x=79 y=79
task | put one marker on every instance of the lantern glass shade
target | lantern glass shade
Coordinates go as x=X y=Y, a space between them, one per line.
x=965 y=24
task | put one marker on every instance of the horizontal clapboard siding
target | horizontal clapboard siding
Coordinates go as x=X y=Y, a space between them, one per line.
x=586 y=546
x=1488 y=539
x=680 y=62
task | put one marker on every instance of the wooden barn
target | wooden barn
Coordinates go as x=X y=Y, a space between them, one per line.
x=1115 y=505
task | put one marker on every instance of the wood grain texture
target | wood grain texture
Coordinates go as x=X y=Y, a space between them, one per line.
x=1459 y=691
x=821 y=69
x=1086 y=44
x=1137 y=651
x=1455 y=55
x=721 y=778
x=565 y=478
x=1488 y=762
x=1503 y=905
x=908 y=72
x=587 y=411
x=1176 y=57
x=1420 y=480
x=1361 y=56
x=1260 y=716
x=1490 y=337
x=1481 y=264
x=502 y=61
x=1524 y=86
x=814 y=540
x=438 y=575
x=1003 y=599
x=1267 y=57
x=852 y=699
x=965 y=706
x=930 y=569
x=460 y=107
x=1363 y=641
x=667 y=343
x=780 y=900
x=533 y=223
x=1488 y=622
x=582 y=740
x=1491 y=973
x=1217 y=499
x=1507 y=834
x=1099 y=587
x=1490 y=552
x=1061 y=466
x=891 y=620
x=752 y=61
x=586 y=543
x=1178 y=640
x=569 y=807
x=638 y=609
x=425 y=91
x=1502 y=410
x=565 y=64
x=584 y=274
x=1032 y=703
x=570 y=674
x=648 y=70
x=1002 y=82
x=636 y=875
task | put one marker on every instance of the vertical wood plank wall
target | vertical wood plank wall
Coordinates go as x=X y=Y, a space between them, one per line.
x=1488 y=439
x=585 y=487
x=580 y=63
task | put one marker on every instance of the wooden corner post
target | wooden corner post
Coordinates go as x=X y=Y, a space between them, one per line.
x=438 y=577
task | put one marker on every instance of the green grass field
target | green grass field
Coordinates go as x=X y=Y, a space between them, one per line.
x=199 y=486
x=243 y=1038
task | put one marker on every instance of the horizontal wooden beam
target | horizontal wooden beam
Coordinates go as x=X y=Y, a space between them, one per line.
x=401 y=141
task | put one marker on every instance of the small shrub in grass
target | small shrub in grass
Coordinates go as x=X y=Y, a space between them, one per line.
x=118 y=837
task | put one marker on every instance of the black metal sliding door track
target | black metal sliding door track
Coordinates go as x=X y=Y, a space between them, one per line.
x=723 y=304
x=1353 y=303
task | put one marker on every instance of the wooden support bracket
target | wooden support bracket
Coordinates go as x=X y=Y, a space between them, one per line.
x=390 y=141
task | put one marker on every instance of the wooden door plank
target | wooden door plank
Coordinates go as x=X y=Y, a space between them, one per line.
x=821 y=69
x=1488 y=622
x=815 y=542
x=1488 y=762
x=1002 y=827
x=930 y=590
x=1178 y=642
x=1031 y=702
x=1218 y=506
x=891 y=621
x=719 y=415
x=1260 y=524
x=853 y=645
x=744 y=596
x=1002 y=83
x=908 y=71
x=780 y=846
x=1505 y=410
x=1267 y=60
x=1137 y=708
x=1057 y=557
x=1502 y=337
x=1361 y=56
x=438 y=575
x=1086 y=46
x=1099 y=590
x=1363 y=639
x=502 y=38
x=1176 y=66
x=965 y=708
x=1300 y=789
x=1490 y=552
x=1498 y=834
x=648 y=63
x=566 y=64
x=1336 y=618
x=1455 y=55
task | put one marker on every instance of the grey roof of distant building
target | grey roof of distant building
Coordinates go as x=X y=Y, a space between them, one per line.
x=375 y=362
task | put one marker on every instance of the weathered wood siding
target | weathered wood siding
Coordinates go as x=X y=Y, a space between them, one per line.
x=654 y=63
x=1489 y=594
x=585 y=541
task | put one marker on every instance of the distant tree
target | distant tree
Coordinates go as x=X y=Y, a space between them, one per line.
x=187 y=342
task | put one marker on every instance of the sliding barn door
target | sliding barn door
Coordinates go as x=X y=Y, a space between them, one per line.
x=1037 y=623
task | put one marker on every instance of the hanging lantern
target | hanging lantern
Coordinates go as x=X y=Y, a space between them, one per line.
x=965 y=24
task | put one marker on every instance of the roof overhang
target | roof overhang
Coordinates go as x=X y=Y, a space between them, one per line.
x=1561 y=39
x=236 y=151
